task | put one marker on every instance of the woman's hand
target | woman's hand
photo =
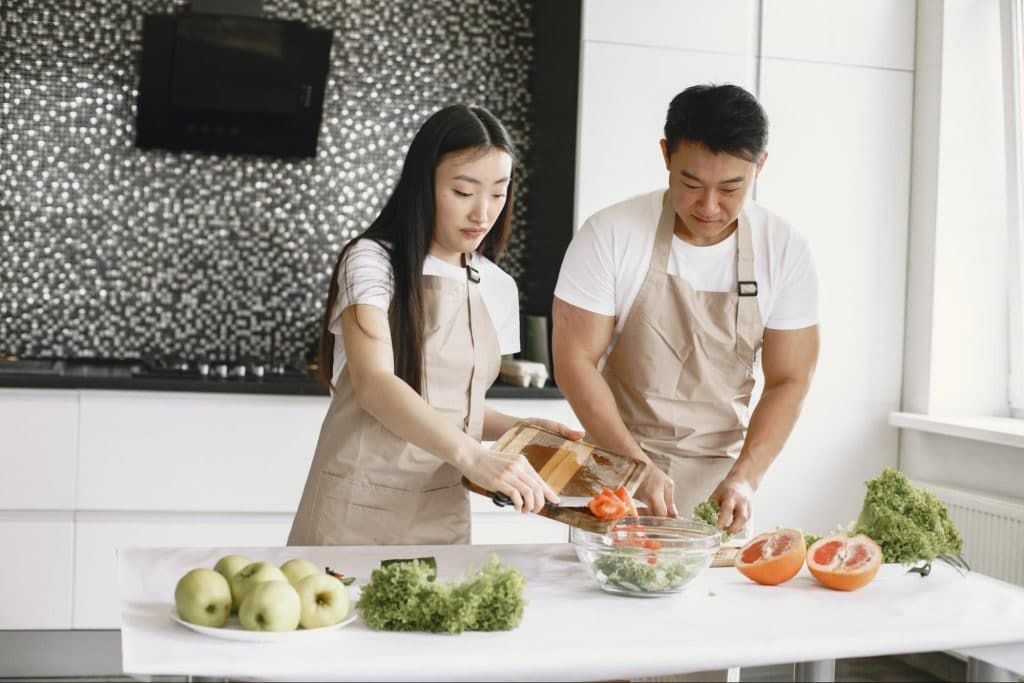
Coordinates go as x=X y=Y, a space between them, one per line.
x=658 y=491
x=512 y=475
x=553 y=426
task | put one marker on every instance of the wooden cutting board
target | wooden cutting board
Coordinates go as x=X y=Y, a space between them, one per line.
x=570 y=468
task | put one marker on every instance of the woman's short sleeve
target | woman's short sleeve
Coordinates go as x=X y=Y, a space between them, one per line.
x=365 y=277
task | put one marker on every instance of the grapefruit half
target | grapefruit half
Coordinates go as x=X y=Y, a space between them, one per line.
x=773 y=557
x=844 y=563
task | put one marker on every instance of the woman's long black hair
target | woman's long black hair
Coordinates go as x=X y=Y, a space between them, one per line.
x=405 y=227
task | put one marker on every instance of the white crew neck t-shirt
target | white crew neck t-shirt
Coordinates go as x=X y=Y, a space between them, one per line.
x=608 y=259
x=366 y=277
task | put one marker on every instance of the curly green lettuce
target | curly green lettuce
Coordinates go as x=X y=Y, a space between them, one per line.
x=402 y=596
x=634 y=573
x=911 y=525
x=707 y=512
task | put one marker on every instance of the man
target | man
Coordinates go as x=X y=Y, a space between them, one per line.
x=664 y=302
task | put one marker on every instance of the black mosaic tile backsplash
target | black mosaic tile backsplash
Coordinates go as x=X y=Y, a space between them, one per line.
x=110 y=251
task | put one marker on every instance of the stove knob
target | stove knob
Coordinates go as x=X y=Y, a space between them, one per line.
x=220 y=370
x=238 y=371
x=258 y=370
x=203 y=369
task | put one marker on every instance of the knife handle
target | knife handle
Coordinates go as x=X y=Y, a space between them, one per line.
x=500 y=499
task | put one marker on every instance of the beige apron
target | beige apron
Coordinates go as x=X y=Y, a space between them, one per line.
x=682 y=370
x=366 y=485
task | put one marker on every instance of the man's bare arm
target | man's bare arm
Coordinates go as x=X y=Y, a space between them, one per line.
x=789 y=358
x=579 y=338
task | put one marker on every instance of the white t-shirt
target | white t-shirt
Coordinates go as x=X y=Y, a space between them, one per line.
x=608 y=259
x=366 y=277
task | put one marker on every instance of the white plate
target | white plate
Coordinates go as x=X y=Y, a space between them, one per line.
x=232 y=630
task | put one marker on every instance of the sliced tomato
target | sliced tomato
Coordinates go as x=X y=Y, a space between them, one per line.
x=607 y=506
x=622 y=494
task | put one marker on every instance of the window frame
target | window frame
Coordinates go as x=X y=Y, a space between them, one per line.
x=1012 y=21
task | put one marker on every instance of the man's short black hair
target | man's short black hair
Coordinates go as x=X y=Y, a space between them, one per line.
x=723 y=118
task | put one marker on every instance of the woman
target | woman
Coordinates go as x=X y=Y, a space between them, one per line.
x=409 y=333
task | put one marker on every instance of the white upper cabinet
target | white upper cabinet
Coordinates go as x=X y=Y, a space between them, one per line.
x=877 y=33
x=722 y=26
x=625 y=93
x=38 y=449
x=838 y=170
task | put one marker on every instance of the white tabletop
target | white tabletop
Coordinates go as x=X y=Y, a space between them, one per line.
x=571 y=630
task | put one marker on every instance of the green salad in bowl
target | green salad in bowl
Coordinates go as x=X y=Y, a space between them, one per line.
x=647 y=556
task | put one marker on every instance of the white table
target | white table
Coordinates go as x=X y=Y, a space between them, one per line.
x=571 y=630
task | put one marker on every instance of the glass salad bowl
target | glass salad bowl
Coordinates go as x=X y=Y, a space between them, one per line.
x=647 y=556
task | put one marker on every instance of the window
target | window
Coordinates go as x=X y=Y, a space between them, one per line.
x=1013 y=89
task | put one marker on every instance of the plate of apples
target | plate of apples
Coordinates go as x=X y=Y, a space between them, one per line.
x=240 y=599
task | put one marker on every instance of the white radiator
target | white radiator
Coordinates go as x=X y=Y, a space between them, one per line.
x=993 y=530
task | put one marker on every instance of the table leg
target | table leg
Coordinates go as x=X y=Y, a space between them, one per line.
x=980 y=670
x=819 y=671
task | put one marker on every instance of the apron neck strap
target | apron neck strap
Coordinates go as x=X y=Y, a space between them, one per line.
x=744 y=248
x=663 y=238
x=472 y=274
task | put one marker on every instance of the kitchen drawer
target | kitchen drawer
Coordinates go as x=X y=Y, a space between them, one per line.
x=38 y=449
x=98 y=535
x=36 y=571
x=187 y=451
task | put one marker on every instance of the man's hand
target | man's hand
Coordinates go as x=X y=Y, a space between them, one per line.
x=658 y=491
x=733 y=496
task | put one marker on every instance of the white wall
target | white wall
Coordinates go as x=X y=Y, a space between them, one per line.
x=836 y=80
x=956 y=359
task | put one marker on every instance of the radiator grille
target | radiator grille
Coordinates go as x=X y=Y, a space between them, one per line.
x=993 y=531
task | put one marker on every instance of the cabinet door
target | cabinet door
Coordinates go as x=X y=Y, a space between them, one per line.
x=188 y=451
x=37 y=455
x=99 y=535
x=36 y=571
x=494 y=526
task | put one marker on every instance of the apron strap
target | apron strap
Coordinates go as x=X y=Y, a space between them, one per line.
x=663 y=238
x=747 y=313
x=472 y=279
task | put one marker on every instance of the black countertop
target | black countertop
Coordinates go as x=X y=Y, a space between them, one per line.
x=84 y=374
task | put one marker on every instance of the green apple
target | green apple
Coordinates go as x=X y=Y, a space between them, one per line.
x=324 y=600
x=228 y=565
x=271 y=606
x=203 y=597
x=250 y=575
x=297 y=569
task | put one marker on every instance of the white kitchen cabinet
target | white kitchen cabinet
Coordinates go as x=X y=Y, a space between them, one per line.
x=192 y=451
x=838 y=170
x=723 y=26
x=38 y=449
x=99 y=534
x=37 y=569
x=625 y=91
x=551 y=409
x=875 y=33
x=505 y=525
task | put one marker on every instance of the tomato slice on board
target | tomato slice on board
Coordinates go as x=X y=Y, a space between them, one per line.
x=607 y=506
x=622 y=494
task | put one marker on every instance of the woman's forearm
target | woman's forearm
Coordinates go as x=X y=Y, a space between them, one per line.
x=395 y=405
x=496 y=423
